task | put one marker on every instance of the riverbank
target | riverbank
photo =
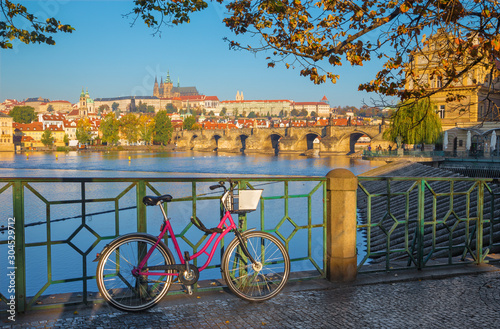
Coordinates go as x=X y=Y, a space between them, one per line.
x=105 y=148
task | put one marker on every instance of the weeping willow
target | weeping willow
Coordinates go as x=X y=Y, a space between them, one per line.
x=416 y=123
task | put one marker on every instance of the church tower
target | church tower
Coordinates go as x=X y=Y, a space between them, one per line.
x=239 y=96
x=160 y=92
x=82 y=110
x=156 y=90
x=167 y=86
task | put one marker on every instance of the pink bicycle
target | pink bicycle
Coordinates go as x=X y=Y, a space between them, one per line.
x=136 y=270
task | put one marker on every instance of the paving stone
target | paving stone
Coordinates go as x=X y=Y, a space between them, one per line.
x=464 y=301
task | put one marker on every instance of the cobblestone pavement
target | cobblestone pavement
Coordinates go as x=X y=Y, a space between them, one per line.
x=467 y=301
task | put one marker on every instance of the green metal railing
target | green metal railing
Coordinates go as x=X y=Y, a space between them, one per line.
x=406 y=153
x=422 y=222
x=61 y=223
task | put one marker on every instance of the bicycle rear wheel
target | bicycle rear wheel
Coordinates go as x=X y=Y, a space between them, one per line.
x=119 y=286
x=262 y=280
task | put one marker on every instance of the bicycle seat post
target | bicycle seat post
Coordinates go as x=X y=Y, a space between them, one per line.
x=160 y=204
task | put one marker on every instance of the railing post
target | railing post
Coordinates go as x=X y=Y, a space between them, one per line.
x=341 y=225
x=19 y=269
x=141 y=207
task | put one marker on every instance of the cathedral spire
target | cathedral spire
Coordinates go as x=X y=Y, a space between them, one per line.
x=178 y=84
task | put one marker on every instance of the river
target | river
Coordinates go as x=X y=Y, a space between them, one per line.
x=147 y=164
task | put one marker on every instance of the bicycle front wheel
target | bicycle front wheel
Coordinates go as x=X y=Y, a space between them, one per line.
x=263 y=279
x=116 y=281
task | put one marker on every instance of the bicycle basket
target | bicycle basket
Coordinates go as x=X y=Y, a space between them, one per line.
x=244 y=201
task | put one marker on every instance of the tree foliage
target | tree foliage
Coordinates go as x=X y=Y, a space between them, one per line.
x=162 y=132
x=171 y=108
x=110 y=128
x=146 y=127
x=189 y=122
x=47 y=138
x=416 y=123
x=19 y=24
x=128 y=127
x=144 y=108
x=83 y=131
x=23 y=114
x=319 y=36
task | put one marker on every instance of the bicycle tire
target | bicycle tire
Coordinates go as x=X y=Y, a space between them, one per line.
x=114 y=276
x=247 y=280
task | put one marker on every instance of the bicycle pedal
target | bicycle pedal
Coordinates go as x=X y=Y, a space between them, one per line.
x=189 y=289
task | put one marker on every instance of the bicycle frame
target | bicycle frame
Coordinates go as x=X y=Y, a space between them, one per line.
x=168 y=227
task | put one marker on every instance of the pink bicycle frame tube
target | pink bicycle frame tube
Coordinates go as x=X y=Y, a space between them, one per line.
x=168 y=226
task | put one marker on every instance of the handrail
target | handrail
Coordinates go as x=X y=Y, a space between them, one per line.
x=96 y=210
x=427 y=221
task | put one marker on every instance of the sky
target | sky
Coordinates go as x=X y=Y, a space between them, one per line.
x=111 y=58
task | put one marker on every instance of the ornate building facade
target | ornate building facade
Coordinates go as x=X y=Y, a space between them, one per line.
x=474 y=97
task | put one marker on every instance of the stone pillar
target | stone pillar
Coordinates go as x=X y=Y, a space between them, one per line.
x=341 y=264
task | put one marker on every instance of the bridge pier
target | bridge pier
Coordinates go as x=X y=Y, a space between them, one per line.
x=227 y=144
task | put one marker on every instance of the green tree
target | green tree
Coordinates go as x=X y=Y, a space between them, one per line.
x=211 y=113
x=314 y=114
x=171 y=108
x=415 y=122
x=294 y=113
x=84 y=131
x=109 y=129
x=142 y=107
x=128 y=127
x=303 y=113
x=252 y=115
x=23 y=114
x=47 y=138
x=188 y=123
x=66 y=139
x=50 y=108
x=103 y=107
x=162 y=132
x=223 y=112
x=146 y=128
x=115 y=106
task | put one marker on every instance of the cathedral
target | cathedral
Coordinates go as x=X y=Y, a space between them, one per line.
x=167 y=90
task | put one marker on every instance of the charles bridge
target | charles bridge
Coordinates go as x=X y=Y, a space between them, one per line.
x=322 y=140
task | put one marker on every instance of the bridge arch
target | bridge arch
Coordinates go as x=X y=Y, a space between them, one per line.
x=309 y=141
x=214 y=142
x=192 y=141
x=242 y=139
x=272 y=142
x=348 y=141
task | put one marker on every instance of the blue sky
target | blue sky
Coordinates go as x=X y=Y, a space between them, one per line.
x=111 y=58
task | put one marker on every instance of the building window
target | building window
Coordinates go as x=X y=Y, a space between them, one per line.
x=460 y=143
x=439 y=82
x=441 y=111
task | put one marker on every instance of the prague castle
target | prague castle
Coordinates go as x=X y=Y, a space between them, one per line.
x=163 y=94
x=167 y=90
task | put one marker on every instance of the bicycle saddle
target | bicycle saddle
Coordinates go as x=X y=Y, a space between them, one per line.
x=154 y=200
